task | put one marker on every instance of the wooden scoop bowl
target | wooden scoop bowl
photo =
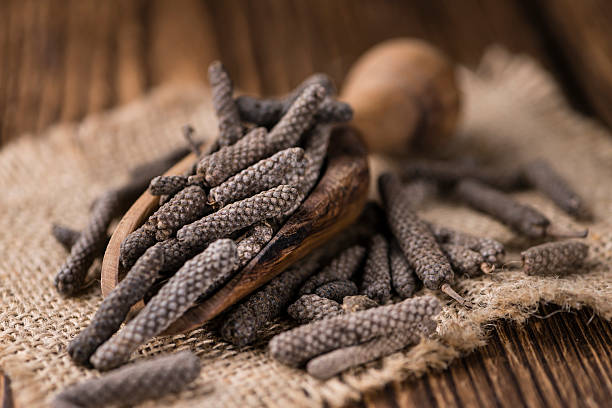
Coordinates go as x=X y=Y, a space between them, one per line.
x=335 y=202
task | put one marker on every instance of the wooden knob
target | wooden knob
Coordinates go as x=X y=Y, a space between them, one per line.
x=404 y=94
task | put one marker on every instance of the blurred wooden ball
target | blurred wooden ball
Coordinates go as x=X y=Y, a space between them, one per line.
x=404 y=94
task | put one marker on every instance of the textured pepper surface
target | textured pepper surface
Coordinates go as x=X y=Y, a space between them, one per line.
x=309 y=308
x=244 y=323
x=341 y=267
x=463 y=260
x=171 y=185
x=414 y=236
x=72 y=273
x=376 y=282
x=403 y=278
x=185 y=207
x=251 y=244
x=136 y=243
x=229 y=160
x=116 y=305
x=230 y=128
x=555 y=258
x=357 y=303
x=543 y=177
x=261 y=176
x=67 y=237
x=492 y=251
x=317 y=142
x=287 y=132
x=133 y=384
x=337 y=290
x=238 y=215
x=199 y=276
x=296 y=346
x=520 y=217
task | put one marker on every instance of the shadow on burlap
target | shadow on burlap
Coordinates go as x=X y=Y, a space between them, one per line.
x=513 y=112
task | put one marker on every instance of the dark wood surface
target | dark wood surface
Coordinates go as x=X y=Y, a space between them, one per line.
x=63 y=59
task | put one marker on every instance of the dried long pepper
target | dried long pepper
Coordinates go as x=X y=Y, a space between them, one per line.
x=241 y=214
x=376 y=282
x=416 y=239
x=492 y=251
x=261 y=176
x=542 y=176
x=199 y=276
x=229 y=160
x=133 y=384
x=341 y=267
x=337 y=290
x=555 y=258
x=465 y=261
x=170 y=185
x=309 y=308
x=300 y=117
x=315 y=147
x=520 y=217
x=230 y=128
x=451 y=172
x=296 y=346
x=117 y=304
x=244 y=323
x=67 y=237
x=403 y=278
x=251 y=244
x=357 y=303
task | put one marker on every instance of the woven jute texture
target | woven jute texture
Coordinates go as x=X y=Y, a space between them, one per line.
x=513 y=112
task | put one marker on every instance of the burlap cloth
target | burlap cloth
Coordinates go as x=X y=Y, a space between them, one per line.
x=513 y=112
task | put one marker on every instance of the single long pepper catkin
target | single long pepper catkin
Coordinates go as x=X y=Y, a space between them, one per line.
x=296 y=346
x=309 y=308
x=341 y=267
x=315 y=147
x=243 y=324
x=67 y=237
x=415 y=238
x=261 y=176
x=287 y=132
x=376 y=282
x=185 y=207
x=170 y=185
x=520 y=217
x=229 y=160
x=465 y=261
x=238 y=215
x=542 y=176
x=200 y=276
x=230 y=128
x=136 y=243
x=492 y=250
x=133 y=384
x=555 y=258
x=337 y=290
x=115 y=307
x=452 y=171
x=251 y=244
x=403 y=278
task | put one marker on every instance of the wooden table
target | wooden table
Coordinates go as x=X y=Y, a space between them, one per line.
x=61 y=60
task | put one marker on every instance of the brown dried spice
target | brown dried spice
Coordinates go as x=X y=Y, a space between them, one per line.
x=416 y=239
x=133 y=384
x=251 y=244
x=403 y=278
x=309 y=308
x=238 y=215
x=465 y=261
x=230 y=128
x=520 y=217
x=315 y=147
x=244 y=322
x=229 y=160
x=65 y=236
x=135 y=244
x=199 y=276
x=376 y=282
x=170 y=185
x=341 y=267
x=185 y=207
x=337 y=290
x=555 y=258
x=296 y=346
x=357 y=303
x=261 y=176
x=116 y=305
x=543 y=177
x=492 y=251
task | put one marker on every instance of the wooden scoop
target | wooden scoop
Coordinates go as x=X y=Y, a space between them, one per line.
x=335 y=202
